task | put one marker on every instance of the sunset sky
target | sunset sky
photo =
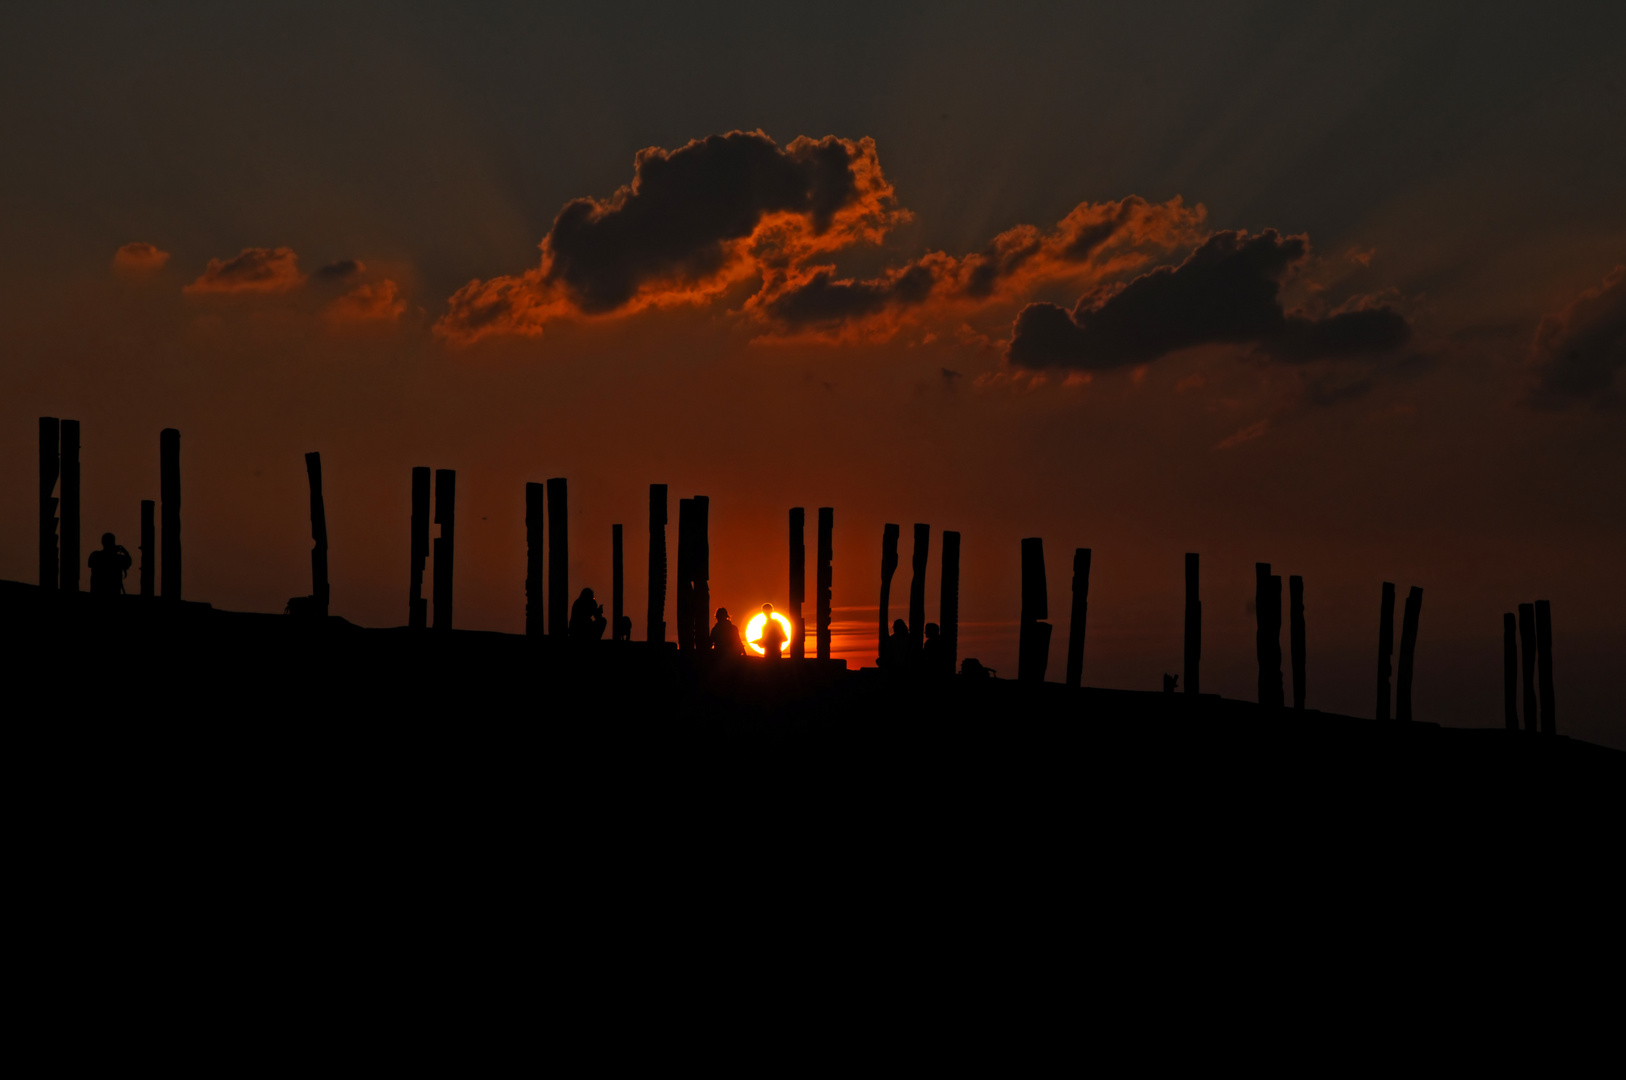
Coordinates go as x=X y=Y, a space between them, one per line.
x=1341 y=287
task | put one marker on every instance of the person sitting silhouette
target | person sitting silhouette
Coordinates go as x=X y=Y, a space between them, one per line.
x=725 y=637
x=587 y=620
x=898 y=653
x=623 y=629
x=934 y=658
x=108 y=566
x=773 y=635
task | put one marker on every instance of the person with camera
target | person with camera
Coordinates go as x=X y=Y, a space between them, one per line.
x=108 y=567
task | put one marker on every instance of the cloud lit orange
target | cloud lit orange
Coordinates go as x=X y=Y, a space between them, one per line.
x=254 y=270
x=139 y=258
x=370 y=303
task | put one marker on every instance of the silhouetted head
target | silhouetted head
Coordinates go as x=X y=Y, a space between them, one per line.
x=109 y=541
x=767 y=609
x=587 y=594
x=722 y=613
x=899 y=626
x=932 y=630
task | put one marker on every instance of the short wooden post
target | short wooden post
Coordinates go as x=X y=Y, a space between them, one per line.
x=417 y=605
x=558 y=557
x=655 y=613
x=1527 y=650
x=823 y=581
x=1295 y=636
x=50 y=467
x=1033 y=635
x=889 y=566
x=1408 y=650
x=617 y=583
x=948 y=601
x=70 y=507
x=1386 y=648
x=1510 y=672
x=917 y=585
x=536 y=499
x=1079 y=616
x=319 y=582
x=798 y=583
x=1194 y=626
x=445 y=545
x=1544 y=660
x=149 y=546
x=169 y=509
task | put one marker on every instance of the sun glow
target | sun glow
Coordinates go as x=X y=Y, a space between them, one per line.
x=753 y=633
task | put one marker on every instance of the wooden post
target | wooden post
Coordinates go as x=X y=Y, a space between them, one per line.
x=701 y=555
x=684 y=601
x=917 y=585
x=319 y=583
x=417 y=606
x=1267 y=599
x=445 y=544
x=1080 y=613
x=948 y=601
x=1033 y=641
x=1295 y=636
x=1527 y=648
x=617 y=582
x=50 y=464
x=1386 y=648
x=798 y=583
x=823 y=581
x=1408 y=649
x=70 y=507
x=1544 y=660
x=536 y=498
x=655 y=616
x=889 y=566
x=1510 y=672
x=1194 y=626
x=169 y=510
x=558 y=557
x=149 y=546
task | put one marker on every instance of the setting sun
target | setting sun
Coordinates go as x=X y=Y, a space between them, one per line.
x=753 y=632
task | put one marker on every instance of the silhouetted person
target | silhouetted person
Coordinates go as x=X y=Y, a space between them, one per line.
x=107 y=567
x=623 y=629
x=725 y=637
x=971 y=668
x=773 y=635
x=587 y=620
x=899 y=656
x=934 y=658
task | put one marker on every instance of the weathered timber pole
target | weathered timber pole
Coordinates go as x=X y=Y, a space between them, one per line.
x=1408 y=651
x=50 y=465
x=889 y=566
x=684 y=601
x=417 y=606
x=655 y=614
x=701 y=554
x=1386 y=648
x=617 y=582
x=149 y=546
x=1078 y=618
x=1295 y=636
x=536 y=500
x=558 y=557
x=948 y=601
x=1510 y=672
x=1194 y=626
x=1527 y=650
x=1544 y=660
x=319 y=583
x=70 y=507
x=917 y=585
x=823 y=581
x=1267 y=601
x=1033 y=640
x=445 y=544
x=798 y=582
x=169 y=511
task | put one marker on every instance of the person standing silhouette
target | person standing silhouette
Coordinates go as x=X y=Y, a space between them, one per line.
x=107 y=567
x=773 y=635
x=725 y=637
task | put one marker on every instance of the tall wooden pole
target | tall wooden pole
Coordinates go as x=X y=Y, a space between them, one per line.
x=683 y=601
x=1079 y=616
x=169 y=509
x=536 y=498
x=445 y=544
x=1408 y=650
x=889 y=566
x=948 y=601
x=1527 y=649
x=1544 y=660
x=701 y=554
x=70 y=507
x=617 y=582
x=50 y=467
x=655 y=616
x=1033 y=643
x=1295 y=636
x=558 y=557
x=823 y=582
x=798 y=582
x=319 y=582
x=417 y=606
x=1194 y=626
x=1386 y=648
x=1267 y=598
x=1510 y=672
x=149 y=546
x=917 y=585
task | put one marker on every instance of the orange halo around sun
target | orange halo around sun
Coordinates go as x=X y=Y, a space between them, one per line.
x=753 y=632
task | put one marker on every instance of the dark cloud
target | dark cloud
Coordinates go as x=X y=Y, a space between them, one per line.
x=1226 y=292
x=254 y=270
x=821 y=299
x=341 y=270
x=1579 y=351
